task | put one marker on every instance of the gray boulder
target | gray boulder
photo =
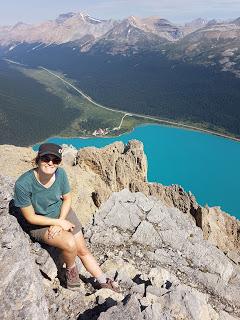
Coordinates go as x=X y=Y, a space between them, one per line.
x=129 y=310
x=21 y=290
x=202 y=281
x=165 y=268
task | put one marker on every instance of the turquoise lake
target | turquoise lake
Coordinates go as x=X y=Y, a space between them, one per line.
x=204 y=164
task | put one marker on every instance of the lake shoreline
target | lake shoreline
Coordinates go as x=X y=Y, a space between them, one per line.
x=162 y=123
x=206 y=164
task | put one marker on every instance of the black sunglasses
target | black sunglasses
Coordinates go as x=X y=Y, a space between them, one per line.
x=48 y=158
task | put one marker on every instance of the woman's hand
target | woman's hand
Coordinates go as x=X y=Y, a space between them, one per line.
x=66 y=225
x=53 y=231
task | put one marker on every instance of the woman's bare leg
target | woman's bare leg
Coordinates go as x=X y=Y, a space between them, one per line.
x=72 y=246
x=86 y=257
x=65 y=241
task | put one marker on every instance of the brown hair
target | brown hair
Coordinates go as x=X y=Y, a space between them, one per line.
x=35 y=161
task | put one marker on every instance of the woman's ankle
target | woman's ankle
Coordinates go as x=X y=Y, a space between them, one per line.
x=102 y=278
x=70 y=266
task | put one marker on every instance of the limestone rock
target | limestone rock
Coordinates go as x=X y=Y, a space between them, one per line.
x=162 y=278
x=221 y=229
x=29 y=288
x=123 y=218
x=15 y=160
x=183 y=303
x=116 y=164
x=155 y=312
x=147 y=235
x=130 y=310
x=152 y=241
x=6 y=191
x=21 y=289
x=95 y=173
x=69 y=155
x=48 y=262
x=193 y=269
x=196 y=282
x=104 y=294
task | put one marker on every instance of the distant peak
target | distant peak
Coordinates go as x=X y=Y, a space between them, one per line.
x=134 y=21
x=212 y=22
x=77 y=16
x=131 y=19
x=197 y=22
x=83 y=15
x=93 y=20
x=64 y=16
x=236 y=21
x=200 y=20
x=19 y=25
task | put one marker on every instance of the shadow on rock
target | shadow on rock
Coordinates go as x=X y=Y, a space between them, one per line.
x=94 y=313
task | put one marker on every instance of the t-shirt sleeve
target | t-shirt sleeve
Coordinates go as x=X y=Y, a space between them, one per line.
x=22 y=197
x=65 y=183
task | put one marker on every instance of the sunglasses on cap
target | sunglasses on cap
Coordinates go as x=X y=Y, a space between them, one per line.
x=48 y=158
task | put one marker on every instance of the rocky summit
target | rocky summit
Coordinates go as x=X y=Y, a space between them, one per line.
x=172 y=258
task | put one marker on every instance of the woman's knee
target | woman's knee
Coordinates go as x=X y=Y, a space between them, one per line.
x=69 y=243
x=63 y=240
x=82 y=248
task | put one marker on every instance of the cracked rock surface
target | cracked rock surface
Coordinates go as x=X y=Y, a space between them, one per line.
x=164 y=261
x=95 y=173
x=172 y=258
x=166 y=270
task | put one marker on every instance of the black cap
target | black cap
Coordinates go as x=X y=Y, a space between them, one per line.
x=50 y=148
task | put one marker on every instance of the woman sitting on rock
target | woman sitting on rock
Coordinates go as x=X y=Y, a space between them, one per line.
x=43 y=196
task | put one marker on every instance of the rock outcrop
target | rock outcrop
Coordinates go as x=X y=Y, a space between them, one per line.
x=177 y=273
x=172 y=258
x=222 y=230
x=165 y=268
x=96 y=173
x=116 y=166
x=29 y=286
x=21 y=289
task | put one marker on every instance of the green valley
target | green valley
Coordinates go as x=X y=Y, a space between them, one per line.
x=35 y=105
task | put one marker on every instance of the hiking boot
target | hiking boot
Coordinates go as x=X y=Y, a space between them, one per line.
x=110 y=284
x=73 y=281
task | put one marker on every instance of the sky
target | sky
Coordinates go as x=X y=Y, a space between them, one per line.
x=178 y=11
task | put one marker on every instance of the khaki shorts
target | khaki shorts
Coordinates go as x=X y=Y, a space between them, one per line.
x=38 y=232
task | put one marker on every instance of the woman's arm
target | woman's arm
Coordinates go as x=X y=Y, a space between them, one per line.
x=66 y=205
x=33 y=218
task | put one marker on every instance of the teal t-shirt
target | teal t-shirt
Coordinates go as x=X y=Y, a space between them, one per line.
x=45 y=201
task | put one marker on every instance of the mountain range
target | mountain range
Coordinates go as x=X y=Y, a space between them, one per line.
x=73 y=26
x=214 y=43
x=187 y=73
